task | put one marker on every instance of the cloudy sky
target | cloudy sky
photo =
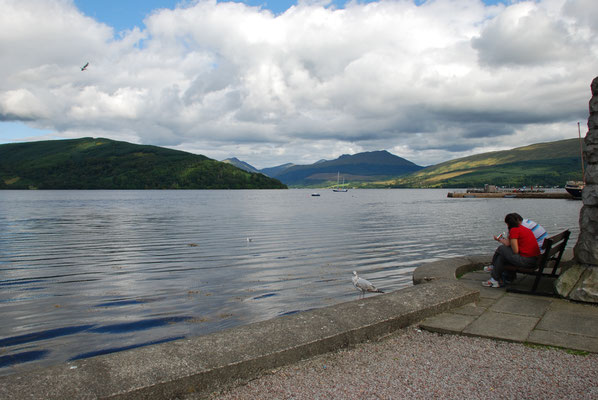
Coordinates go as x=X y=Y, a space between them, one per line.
x=271 y=82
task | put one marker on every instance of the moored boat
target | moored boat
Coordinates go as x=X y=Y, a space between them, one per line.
x=574 y=188
x=338 y=184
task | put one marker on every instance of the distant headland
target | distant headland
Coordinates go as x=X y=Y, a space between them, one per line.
x=97 y=163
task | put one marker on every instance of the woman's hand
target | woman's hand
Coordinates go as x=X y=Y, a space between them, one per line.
x=502 y=240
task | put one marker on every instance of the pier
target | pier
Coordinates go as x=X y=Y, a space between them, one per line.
x=514 y=195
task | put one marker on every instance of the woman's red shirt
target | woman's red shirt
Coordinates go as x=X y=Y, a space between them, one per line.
x=528 y=246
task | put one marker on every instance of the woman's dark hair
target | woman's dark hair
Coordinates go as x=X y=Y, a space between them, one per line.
x=519 y=217
x=511 y=220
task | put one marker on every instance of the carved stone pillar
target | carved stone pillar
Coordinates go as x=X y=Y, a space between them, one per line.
x=580 y=281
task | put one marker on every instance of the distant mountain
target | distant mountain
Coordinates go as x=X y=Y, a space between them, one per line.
x=361 y=167
x=90 y=163
x=273 y=171
x=242 y=164
x=545 y=164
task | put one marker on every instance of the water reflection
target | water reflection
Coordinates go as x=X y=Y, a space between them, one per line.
x=122 y=348
x=42 y=335
x=24 y=357
x=139 y=267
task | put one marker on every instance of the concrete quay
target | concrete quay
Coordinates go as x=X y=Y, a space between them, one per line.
x=532 y=319
x=203 y=364
x=447 y=297
x=514 y=195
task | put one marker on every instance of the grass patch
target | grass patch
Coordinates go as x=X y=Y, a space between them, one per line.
x=11 y=181
x=448 y=175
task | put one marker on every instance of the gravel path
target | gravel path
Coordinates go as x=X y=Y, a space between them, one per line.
x=417 y=364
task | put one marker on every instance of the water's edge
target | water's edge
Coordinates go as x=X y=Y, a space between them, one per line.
x=204 y=364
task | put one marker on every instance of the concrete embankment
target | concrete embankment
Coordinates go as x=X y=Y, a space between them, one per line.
x=207 y=363
x=515 y=195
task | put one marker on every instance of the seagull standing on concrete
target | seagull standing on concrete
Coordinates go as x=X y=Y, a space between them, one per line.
x=364 y=285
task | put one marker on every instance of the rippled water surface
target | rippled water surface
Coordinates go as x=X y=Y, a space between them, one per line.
x=84 y=273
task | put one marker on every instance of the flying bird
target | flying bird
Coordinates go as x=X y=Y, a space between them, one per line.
x=83 y=68
x=364 y=285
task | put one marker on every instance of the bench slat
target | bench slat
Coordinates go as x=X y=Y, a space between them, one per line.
x=560 y=236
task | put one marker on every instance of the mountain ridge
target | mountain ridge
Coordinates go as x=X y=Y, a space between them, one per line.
x=360 y=167
x=242 y=165
x=276 y=170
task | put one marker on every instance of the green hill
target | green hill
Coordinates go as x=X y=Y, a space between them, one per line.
x=542 y=164
x=99 y=163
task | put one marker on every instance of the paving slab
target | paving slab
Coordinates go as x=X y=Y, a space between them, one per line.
x=565 y=340
x=485 y=302
x=473 y=309
x=531 y=306
x=472 y=284
x=447 y=323
x=503 y=326
x=489 y=293
x=573 y=323
x=573 y=307
x=478 y=276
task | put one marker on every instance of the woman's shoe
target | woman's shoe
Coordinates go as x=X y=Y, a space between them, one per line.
x=491 y=283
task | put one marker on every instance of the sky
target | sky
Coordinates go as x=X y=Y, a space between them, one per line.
x=271 y=82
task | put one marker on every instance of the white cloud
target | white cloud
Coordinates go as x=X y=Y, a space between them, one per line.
x=584 y=15
x=21 y=104
x=527 y=34
x=430 y=82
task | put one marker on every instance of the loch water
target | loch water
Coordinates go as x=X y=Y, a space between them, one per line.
x=85 y=273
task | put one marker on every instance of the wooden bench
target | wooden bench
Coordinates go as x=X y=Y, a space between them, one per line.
x=553 y=249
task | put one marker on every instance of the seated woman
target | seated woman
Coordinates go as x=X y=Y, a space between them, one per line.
x=520 y=249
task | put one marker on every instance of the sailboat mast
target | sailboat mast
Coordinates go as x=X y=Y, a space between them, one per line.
x=583 y=173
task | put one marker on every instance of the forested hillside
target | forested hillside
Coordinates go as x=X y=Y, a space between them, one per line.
x=99 y=163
